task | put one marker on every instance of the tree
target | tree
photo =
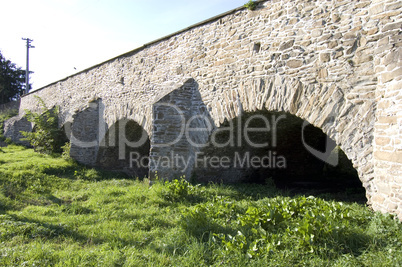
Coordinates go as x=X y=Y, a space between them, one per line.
x=12 y=80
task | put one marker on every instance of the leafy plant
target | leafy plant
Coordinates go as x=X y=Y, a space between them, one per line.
x=87 y=174
x=47 y=137
x=66 y=151
x=251 y=5
x=178 y=190
x=307 y=224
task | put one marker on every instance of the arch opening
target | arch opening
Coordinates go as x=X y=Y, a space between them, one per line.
x=125 y=148
x=264 y=147
x=62 y=137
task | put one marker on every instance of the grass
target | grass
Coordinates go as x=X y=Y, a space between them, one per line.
x=54 y=212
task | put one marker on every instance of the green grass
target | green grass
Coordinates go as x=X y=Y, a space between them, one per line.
x=55 y=212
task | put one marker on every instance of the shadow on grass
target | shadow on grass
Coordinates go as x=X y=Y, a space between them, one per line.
x=249 y=191
x=30 y=228
x=78 y=171
x=6 y=205
x=35 y=229
x=259 y=191
x=56 y=200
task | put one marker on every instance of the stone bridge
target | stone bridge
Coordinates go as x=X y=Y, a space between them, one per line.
x=333 y=64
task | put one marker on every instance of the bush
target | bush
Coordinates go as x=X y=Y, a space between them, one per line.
x=66 y=151
x=47 y=137
x=178 y=190
x=250 y=5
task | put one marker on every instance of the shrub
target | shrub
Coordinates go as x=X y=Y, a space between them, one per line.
x=251 y=5
x=47 y=137
x=66 y=151
x=178 y=190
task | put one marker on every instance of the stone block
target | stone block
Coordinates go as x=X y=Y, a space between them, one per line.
x=332 y=44
x=384 y=104
x=379 y=199
x=325 y=57
x=293 y=21
x=305 y=43
x=373 y=10
x=392 y=66
x=294 y=63
x=382 y=141
x=386 y=15
x=335 y=18
x=392 y=26
x=316 y=33
x=286 y=45
x=389 y=156
x=383 y=41
x=388 y=119
x=372 y=31
x=384 y=188
x=396 y=39
x=337 y=54
x=391 y=57
x=388 y=76
x=323 y=73
x=394 y=6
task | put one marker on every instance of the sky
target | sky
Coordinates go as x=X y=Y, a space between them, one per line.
x=72 y=35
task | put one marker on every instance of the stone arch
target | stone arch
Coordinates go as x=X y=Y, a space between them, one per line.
x=66 y=128
x=125 y=147
x=326 y=106
x=262 y=146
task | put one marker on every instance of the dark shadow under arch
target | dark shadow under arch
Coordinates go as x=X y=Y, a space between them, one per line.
x=125 y=148
x=282 y=158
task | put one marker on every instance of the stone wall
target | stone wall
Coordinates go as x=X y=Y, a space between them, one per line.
x=86 y=133
x=13 y=105
x=388 y=124
x=173 y=116
x=335 y=64
x=13 y=128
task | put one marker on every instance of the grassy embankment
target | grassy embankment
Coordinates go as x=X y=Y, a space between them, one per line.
x=55 y=212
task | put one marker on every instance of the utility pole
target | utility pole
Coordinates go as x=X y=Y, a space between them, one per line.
x=27 y=69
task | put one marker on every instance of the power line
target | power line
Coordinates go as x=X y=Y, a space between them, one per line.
x=27 y=69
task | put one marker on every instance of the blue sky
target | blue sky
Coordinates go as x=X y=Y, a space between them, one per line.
x=77 y=34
